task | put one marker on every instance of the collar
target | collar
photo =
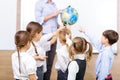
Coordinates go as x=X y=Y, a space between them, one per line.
x=79 y=56
x=46 y=1
x=21 y=54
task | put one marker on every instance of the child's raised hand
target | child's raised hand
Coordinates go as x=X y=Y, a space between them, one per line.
x=82 y=30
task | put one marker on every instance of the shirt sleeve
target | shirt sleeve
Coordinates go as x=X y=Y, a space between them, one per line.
x=104 y=70
x=94 y=41
x=44 y=41
x=38 y=12
x=72 y=70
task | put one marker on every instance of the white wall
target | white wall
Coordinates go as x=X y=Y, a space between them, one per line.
x=94 y=15
x=7 y=24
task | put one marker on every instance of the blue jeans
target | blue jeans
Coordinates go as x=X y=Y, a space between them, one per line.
x=40 y=73
x=61 y=75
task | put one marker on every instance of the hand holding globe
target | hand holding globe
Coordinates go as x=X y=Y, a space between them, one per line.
x=69 y=16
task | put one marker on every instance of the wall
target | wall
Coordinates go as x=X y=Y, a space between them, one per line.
x=7 y=24
x=94 y=15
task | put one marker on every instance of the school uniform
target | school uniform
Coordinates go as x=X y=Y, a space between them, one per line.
x=76 y=68
x=62 y=59
x=42 y=46
x=62 y=62
x=27 y=66
x=104 y=60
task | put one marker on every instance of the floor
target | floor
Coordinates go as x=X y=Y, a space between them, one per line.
x=6 y=70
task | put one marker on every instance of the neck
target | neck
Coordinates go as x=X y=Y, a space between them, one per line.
x=34 y=40
x=49 y=1
x=24 y=49
x=106 y=45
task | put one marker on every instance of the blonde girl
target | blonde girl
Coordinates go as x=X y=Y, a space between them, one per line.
x=80 y=51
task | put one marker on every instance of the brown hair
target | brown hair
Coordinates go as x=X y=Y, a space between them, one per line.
x=33 y=28
x=62 y=36
x=80 y=46
x=111 y=35
x=21 y=40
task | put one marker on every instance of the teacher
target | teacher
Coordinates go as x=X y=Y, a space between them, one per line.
x=46 y=14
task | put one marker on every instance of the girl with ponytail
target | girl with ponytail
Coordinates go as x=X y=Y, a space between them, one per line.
x=40 y=44
x=23 y=65
x=80 y=52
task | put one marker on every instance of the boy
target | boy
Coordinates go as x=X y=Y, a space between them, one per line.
x=106 y=54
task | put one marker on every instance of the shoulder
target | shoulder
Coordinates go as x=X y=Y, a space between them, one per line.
x=40 y=3
x=73 y=64
x=14 y=54
x=73 y=67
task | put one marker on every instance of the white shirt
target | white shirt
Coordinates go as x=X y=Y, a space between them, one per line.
x=73 y=67
x=42 y=46
x=62 y=55
x=62 y=59
x=27 y=63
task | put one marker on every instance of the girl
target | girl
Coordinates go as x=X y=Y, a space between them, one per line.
x=23 y=65
x=39 y=46
x=62 y=54
x=80 y=52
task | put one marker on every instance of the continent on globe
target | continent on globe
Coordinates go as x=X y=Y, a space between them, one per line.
x=69 y=16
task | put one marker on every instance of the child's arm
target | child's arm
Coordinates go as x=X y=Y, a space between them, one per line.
x=94 y=40
x=41 y=58
x=47 y=40
x=72 y=70
x=31 y=67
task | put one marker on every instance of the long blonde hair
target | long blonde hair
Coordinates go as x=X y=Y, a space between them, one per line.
x=80 y=45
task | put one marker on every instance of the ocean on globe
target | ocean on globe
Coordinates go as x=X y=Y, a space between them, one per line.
x=69 y=16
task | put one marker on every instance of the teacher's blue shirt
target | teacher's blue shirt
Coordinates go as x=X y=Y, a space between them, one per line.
x=42 y=9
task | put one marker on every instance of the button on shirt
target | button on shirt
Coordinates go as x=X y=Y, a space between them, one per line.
x=42 y=9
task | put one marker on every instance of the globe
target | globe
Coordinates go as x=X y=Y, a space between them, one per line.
x=69 y=16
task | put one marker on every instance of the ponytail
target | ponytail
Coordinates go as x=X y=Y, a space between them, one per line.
x=19 y=60
x=89 y=52
x=35 y=49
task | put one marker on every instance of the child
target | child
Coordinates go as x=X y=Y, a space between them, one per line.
x=39 y=46
x=106 y=54
x=23 y=65
x=80 y=51
x=62 y=54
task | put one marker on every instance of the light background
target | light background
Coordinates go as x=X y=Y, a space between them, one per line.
x=94 y=15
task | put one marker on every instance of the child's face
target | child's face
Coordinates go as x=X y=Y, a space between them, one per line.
x=38 y=36
x=62 y=36
x=104 y=40
x=28 y=45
